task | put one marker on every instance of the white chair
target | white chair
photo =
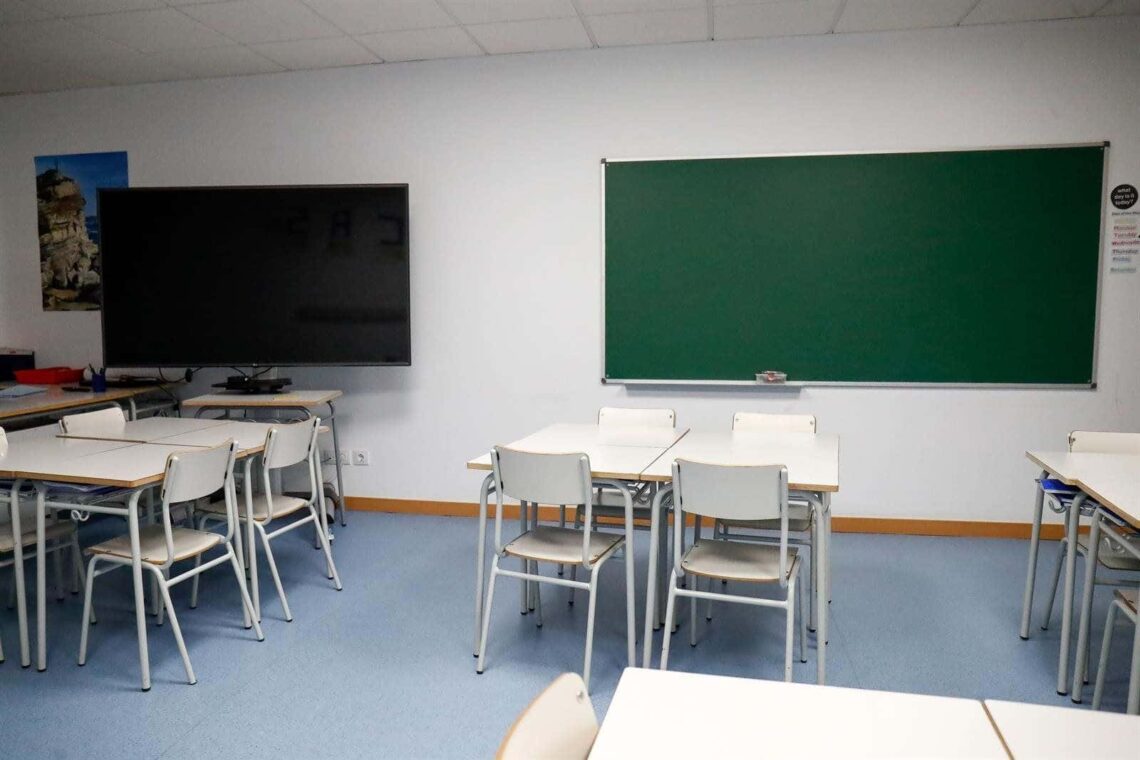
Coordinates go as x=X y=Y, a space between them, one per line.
x=189 y=475
x=552 y=479
x=103 y=422
x=734 y=492
x=1125 y=600
x=1109 y=555
x=558 y=725
x=801 y=516
x=285 y=446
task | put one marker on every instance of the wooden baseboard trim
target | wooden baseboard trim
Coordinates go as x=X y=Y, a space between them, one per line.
x=883 y=525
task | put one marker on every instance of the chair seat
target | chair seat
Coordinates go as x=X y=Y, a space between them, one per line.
x=282 y=507
x=1130 y=597
x=1109 y=556
x=738 y=561
x=562 y=545
x=800 y=517
x=152 y=544
x=52 y=532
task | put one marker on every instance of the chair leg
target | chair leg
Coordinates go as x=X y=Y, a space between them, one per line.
x=1054 y=584
x=1102 y=666
x=57 y=568
x=524 y=565
x=247 y=603
x=789 y=627
x=804 y=597
x=561 y=524
x=161 y=577
x=593 y=592
x=163 y=593
x=479 y=664
x=537 y=600
x=323 y=540
x=276 y=575
x=693 y=611
x=87 y=614
x=669 y=604
x=77 y=581
x=194 y=584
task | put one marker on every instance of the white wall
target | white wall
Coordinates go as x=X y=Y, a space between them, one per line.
x=502 y=158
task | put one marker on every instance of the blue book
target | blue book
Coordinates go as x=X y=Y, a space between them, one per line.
x=1058 y=488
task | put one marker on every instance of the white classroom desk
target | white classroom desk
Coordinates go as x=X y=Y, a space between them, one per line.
x=55 y=400
x=1111 y=479
x=687 y=715
x=621 y=454
x=812 y=461
x=149 y=429
x=306 y=402
x=1036 y=732
x=129 y=466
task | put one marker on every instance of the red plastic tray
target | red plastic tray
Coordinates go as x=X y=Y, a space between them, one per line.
x=48 y=375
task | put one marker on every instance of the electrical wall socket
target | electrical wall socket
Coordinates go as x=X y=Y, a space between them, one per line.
x=361 y=457
x=344 y=458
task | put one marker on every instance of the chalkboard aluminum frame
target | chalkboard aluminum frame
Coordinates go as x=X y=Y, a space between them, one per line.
x=797 y=384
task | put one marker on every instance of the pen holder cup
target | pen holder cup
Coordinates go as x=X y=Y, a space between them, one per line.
x=99 y=381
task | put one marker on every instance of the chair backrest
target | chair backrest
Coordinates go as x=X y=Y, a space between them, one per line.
x=3 y=443
x=789 y=423
x=102 y=422
x=730 y=492
x=289 y=444
x=196 y=473
x=559 y=723
x=542 y=479
x=615 y=416
x=1099 y=442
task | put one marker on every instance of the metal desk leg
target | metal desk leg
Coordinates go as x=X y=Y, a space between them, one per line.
x=480 y=551
x=821 y=505
x=1074 y=518
x=1034 y=544
x=140 y=602
x=18 y=569
x=1134 y=674
x=336 y=455
x=651 y=582
x=41 y=592
x=1086 y=608
x=251 y=539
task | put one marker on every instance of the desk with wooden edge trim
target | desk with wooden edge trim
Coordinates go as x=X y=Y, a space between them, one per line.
x=131 y=467
x=295 y=401
x=621 y=454
x=742 y=717
x=55 y=399
x=812 y=461
x=1032 y=731
x=1113 y=482
x=1087 y=471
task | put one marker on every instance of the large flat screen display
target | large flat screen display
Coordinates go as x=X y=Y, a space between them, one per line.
x=255 y=276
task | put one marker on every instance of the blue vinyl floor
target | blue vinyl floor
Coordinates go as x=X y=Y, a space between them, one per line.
x=384 y=668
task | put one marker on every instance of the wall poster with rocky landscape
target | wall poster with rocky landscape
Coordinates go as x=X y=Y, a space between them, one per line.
x=67 y=206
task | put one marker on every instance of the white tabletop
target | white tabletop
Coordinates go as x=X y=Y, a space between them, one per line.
x=686 y=715
x=55 y=399
x=622 y=453
x=1111 y=479
x=250 y=436
x=238 y=399
x=150 y=429
x=812 y=459
x=127 y=465
x=31 y=449
x=1045 y=731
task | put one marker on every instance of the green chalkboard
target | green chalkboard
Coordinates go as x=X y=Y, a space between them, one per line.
x=971 y=267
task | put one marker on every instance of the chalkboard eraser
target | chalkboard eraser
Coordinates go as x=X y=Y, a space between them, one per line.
x=771 y=376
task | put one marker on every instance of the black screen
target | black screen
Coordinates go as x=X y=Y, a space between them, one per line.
x=255 y=276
